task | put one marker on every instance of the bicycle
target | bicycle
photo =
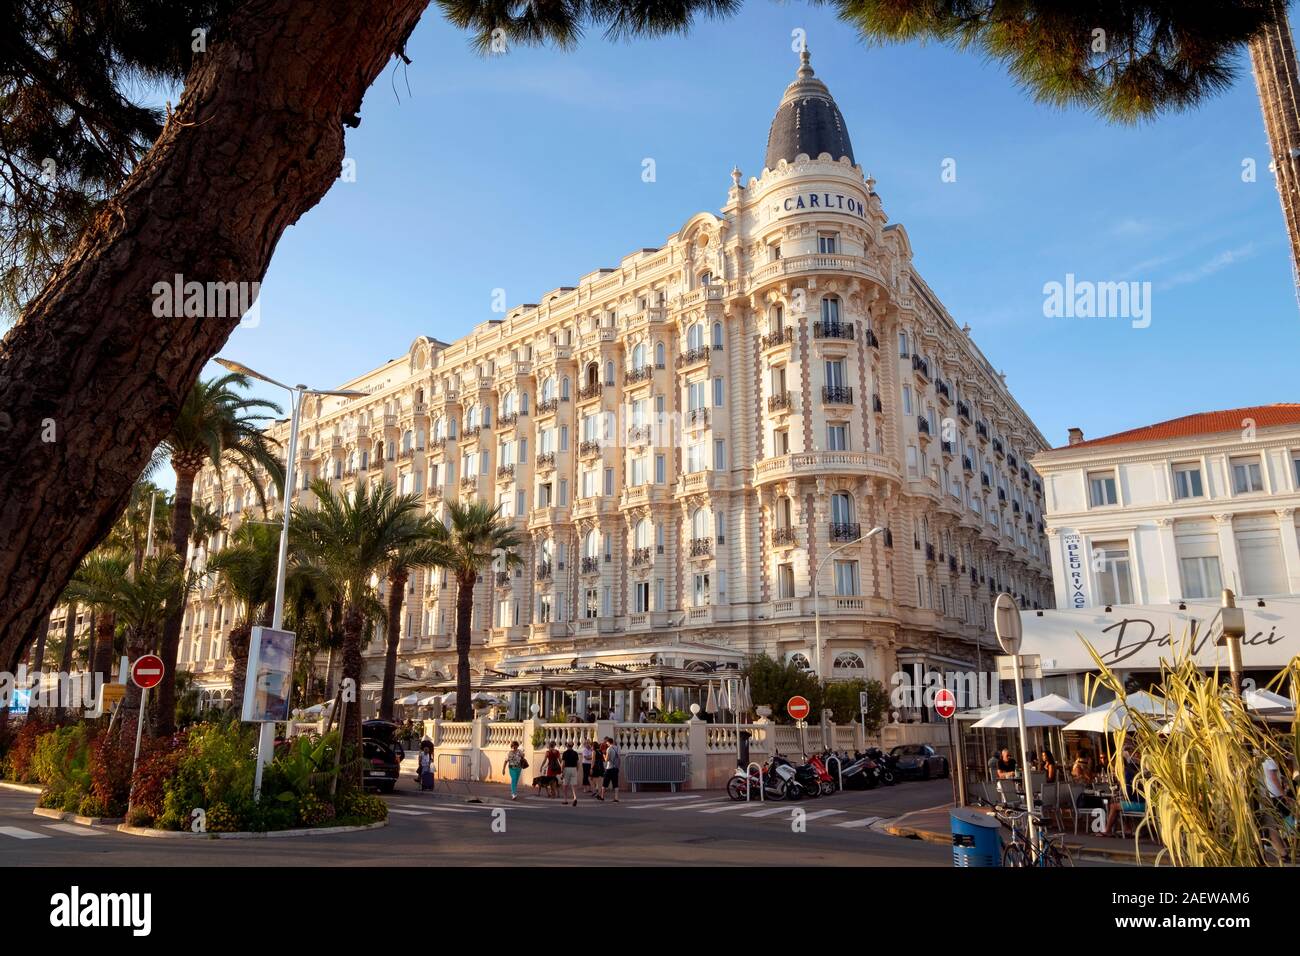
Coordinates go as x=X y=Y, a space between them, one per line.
x=1018 y=851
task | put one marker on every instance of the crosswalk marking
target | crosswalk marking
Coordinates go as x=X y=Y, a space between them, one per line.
x=690 y=806
x=724 y=808
x=854 y=824
x=420 y=811
x=74 y=829
x=18 y=833
x=409 y=813
x=818 y=814
x=769 y=812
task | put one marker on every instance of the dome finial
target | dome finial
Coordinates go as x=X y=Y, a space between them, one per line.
x=805 y=64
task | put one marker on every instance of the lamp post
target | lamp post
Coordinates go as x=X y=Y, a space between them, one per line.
x=266 y=737
x=1232 y=628
x=817 y=605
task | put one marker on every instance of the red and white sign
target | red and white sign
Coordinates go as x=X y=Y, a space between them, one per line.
x=797 y=707
x=147 y=671
x=945 y=703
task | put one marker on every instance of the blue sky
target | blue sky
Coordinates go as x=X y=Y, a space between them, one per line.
x=523 y=172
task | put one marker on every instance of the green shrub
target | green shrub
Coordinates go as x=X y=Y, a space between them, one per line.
x=267 y=814
x=216 y=766
x=19 y=757
x=92 y=806
x=50 y=800
x=313 y=811
x=356 y=806
x=60 y=762
x=139 y=817
x=221 y=819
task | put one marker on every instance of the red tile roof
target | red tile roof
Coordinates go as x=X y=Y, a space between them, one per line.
x=1202 y=423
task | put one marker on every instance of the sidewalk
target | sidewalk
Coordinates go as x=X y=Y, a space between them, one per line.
x=475 y=791
x=933 y=826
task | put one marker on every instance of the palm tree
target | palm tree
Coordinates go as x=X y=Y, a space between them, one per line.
x=95 y=586
x=216 y=425
x=352 y=539
x=246 y=571
x=1127 y=60
x=205 y=522
x=418 y=554
x=471 y=540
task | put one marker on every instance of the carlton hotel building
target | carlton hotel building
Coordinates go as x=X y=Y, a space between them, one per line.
x=685 y=439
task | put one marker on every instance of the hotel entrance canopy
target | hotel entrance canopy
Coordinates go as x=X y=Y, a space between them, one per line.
x=1138 y=636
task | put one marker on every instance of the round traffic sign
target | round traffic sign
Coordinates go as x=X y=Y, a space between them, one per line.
x=797 y=707
x=1006 y=623
x=945 y=703
x=147 y=671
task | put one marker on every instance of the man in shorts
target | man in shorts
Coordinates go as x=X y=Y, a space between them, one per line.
x=613 y=762
x=569 y=760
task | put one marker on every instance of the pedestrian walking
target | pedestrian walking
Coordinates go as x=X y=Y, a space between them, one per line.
x=586 y=766
x=551 y=769
x=613 y=761
x=597 y=768
x=426 y=764
x=515 y=765
x=569 y=761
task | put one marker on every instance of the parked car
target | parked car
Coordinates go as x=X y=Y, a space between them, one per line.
x=920 y=760
x=382 y=753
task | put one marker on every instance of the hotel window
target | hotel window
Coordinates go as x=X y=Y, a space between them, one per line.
x=590 y=606
x=701 y=589
x=564 y=492
x=1114 y=576
x=830 y=311
x=659 y=355
x=660 y=603
x=827 y=244
x=1202 y=578
x=717 y=335
x=638 y=471
x=834 y=372
x=717 y=392
x=695 y=336
x=695 y=457
x=846 y=578
x=661 y=468
x=1260 y=556
x=781 y=441
x=706 y=278
x=1187 y=481
x=519 y=503
x=776 y=319
x=907 y=400
x=564 y=438
x=544 y=609
x=1101 y=490
x=641 y=536
x=564 y=388
x=841 y=508
x=719 y=455
x=785 y=581
x=641 y=597
x=720 y=527
x=837 y=436
x=589 y=484
x=1246 y=476
x=609 y=373
x=695 y=395
x=638 y=356
x=913 y=462
x=774 y=251
x=609 y=481
x=544 y=496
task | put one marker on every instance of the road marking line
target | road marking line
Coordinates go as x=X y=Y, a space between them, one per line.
x=693 y=805
x=818 y=814
x=18 y=833
x=854 y=824
x=769 y=812
x=409 y=813
x=722 y=809
x=74 y=829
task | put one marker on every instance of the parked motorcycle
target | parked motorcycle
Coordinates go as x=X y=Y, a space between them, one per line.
x=860 y=773
x=750 y=782
x=800 y=781
x=887 y=764
x=828 y=782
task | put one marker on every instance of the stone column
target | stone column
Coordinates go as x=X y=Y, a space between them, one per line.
x=698 y=744
x=1290 y=547
x=1228 y=553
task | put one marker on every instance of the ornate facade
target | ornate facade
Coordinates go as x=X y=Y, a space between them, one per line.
x=684 y=440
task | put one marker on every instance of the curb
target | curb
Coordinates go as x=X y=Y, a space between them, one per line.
x=1077 y=850
x=21 y=787
x=300 y=832
x=77 y=818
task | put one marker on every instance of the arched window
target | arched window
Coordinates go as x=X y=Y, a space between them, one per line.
x=695 y=336
x=591 y=545
x=419 y=396
x=848 y=661
x=659 y=355
x=841 y=508
x=365 y=461
x=642 y=535
x=548 y=389
x=784 y=512
x=438 y=429
x=638 y=356
x=564 y=388
x=523 y=403
x=776 y=319
x=800 y=661
x=593 y=374
x=407 y=438
x=609 y=373
x=830 y=310
x=717 y=335
x=706 y=278
x=508 y=403
x=700 y=523
x=471 y=417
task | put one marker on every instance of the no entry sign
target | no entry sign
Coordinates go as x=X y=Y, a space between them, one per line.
x=797 y=707
x=147 y=671
x=945 y=704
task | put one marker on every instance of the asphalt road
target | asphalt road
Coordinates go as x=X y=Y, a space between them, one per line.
x=647 y=829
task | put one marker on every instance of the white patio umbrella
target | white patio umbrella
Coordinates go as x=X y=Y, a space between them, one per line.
x=1114 y=716
x=431 y=701
x=711 y=701
x=1057 y=706
x=408 y=700
x=1007 y=719
x=1266 y=702
x=979 y=713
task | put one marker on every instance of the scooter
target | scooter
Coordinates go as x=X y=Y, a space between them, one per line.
x=799 y=781
x=748 y=782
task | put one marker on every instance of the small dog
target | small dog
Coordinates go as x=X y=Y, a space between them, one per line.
x=550 y=784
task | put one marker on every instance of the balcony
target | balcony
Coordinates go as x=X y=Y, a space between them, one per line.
x=1012 y=462
x=437 y=444
x=923 y=425
x=548 y=405
x=967 y=465
x=997 y=447
x=941 y=389
x=508 y=420
x=982 y=430
x=693 y=356
x=779 y=403
x=701 y=547
x=645 y=318
x=505 y=471
x=640 y=557
x=468 y=482
x=592 y=390
x=642 y=374
x=837 y=395
x=963 y=410
x=984 y=480
x=406 y=453
x=780 y=337
x=877 y=405
x=545 y=461
x=376 y=465
x=784 y=537
x=846 y=531
x=589 y=449
x=921 y=367
x=638 y=435
x=1002 y=496
x=590 y=565
x=543 y=570
x=804 y=464
x=503 y=579
x=833 y=330
x=697 y=418
x=946 y=448
x=930 y=553
x=870 y=338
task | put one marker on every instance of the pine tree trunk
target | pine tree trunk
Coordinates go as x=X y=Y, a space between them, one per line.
x=350 y=740
x=1273 y=59
x=256 y=141
x=38 y=652
x=396 y=591
x=169 y=646
x=69 y=638
x=104 y=627
x=464 y=618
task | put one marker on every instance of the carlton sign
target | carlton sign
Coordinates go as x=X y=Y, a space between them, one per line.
x=1139 y=636
x=821 y=202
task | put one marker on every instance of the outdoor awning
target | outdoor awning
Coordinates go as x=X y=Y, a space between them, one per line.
x=595 y=677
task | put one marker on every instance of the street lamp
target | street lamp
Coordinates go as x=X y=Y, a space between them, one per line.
x=266 y=738
x=1232 y=628
x=817 y=607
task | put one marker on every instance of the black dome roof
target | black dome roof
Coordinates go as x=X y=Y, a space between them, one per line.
x=807 y=121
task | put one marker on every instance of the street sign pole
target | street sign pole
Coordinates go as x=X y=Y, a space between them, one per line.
x=139 y=726
x=1007 y=624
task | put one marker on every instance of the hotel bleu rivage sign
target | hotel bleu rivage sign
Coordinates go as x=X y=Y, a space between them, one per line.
x=1139 y=636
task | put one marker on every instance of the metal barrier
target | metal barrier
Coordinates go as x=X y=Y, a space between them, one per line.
x=671 y=769
x=839 y=768
x=749 y=782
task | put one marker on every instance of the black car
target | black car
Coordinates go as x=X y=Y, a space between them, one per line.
x=920 y=760
x=382 y=753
